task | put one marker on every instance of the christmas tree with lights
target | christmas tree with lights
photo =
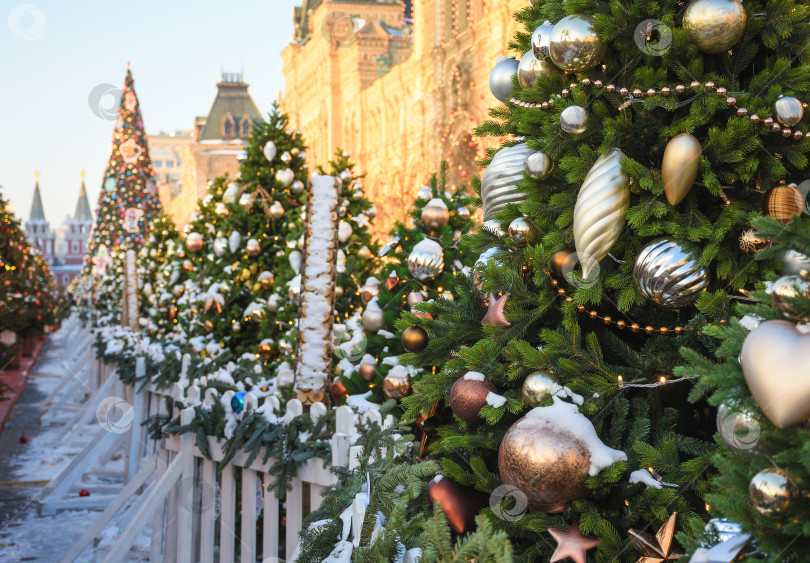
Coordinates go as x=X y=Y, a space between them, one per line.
x=128 y=199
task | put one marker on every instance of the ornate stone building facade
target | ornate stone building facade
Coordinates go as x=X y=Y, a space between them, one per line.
x=399 y=84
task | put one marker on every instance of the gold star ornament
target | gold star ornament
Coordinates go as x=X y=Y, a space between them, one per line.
x=571 y=543
x=659 y=549
x=495 y=312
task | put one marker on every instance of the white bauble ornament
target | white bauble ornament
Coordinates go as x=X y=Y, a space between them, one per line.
x=220 y=245
x=344 y=231
x=269 y=150
x=246 y=200
x=599 y=214
x=234 y=241
x=285 y=177
x=230 y=193
x=295 y=261
x=341 y=261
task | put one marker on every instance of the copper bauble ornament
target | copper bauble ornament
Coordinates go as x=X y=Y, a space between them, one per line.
x=783 y=202
x=460 y=504
x=680 y=166
x=668 y=273
x=789 y=287
x=538 y=165
x=574 y=45
x=253 y=248
x=788 y=110
x=397 y=383
x=276 y=210
x=266 y=350
x=500 y=79
x=188 y=266
x=530 y=68
x=468 y=394
x=178 y=291
x=714 y=25
x=415 y=297
x=541 y=40
x=771 y=491
x=367 y=371
x=266 y=279
x=426 y=260
x=435 y=215
x=538 y=387
x=599 y=214
x=560 y=261
x=521 y=231
x=194 y=242
x=574 y=120
x=775 y=360
x=338 y=389
x=414 y=339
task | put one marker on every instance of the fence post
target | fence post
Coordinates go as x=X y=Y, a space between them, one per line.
x=185 y=538
x=134 y=454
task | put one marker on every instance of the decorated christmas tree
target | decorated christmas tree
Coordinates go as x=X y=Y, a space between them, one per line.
x=128 y=199
x=418 y=263
x=644 y=141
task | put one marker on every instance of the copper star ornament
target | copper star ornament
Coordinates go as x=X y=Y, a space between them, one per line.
x=664 y=550
x=495 y=312
x=571 y=543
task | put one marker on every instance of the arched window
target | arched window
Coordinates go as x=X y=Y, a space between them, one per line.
x=245 y=126
x=228 y=126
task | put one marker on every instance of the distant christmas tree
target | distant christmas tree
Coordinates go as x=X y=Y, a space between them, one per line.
x=128 y=199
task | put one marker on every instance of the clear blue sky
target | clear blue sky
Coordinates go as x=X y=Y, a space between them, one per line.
x=53 y=53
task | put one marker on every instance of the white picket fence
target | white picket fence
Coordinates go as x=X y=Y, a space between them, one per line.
x=192 y=507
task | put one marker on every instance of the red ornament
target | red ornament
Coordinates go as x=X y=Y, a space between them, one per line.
x=23 y=439
x=459 y=503
x=84 y=493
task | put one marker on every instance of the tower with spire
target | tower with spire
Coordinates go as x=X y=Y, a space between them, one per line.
x=75 y=234
x=37 y=228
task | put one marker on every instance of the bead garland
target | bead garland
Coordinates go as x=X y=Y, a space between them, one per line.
x=636 y=94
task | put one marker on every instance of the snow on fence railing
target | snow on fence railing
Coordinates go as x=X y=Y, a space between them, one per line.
x=199 y=513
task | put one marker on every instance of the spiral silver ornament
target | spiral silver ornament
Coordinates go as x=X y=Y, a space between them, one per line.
x=602 y=202
x=499 y=184
x=426 y=260
x=667 y=272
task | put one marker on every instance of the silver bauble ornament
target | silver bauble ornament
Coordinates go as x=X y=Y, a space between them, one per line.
x=574 y=45
x=538 y=387
x=574 y=120
x=541 y=40
x=273 y=303
x=435 y=215
x=463 y=213
x=521 y=232
x=499 y=183
x=276 y=210
x=493 y=226
x=794 y=263
x=714 y=26
x=771 y=491
x=269 y=150
x=500 y=79
x=426 y=260
x=424 y=193
x=485 y=258
x=220 y=209
x=415 y=297
x=241 y=155
x=602 y=202
x=530 y=68
x=286 y=157
x=372 y=318
x=539 y=165
x=345 y=176
x=788 y=110
x=667 y=272
x=788 y=287
x=297 y=187
x=723 y=529
x=738 y=428
x=236 y=327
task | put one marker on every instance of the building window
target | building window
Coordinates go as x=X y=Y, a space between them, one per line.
x=158 y=164
x=228 y=126
x=245 y=124
x=169 y=164
x=74 y=247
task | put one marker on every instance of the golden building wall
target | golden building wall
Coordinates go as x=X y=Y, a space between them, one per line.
x=400 y=126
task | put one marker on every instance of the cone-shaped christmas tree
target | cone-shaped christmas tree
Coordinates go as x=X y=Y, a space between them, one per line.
x=128 y=199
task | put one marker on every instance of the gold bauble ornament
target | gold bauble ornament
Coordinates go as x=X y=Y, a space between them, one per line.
x=530 y=68
x=521 y=232
x=771 y=491
x=574 y=45
x=266 y=351
x=435 y=215
x=788 y=287
x=560 y=261
x=599 y=213
x=468 y=394
x=266 y=279
x=414 y=339
x=775 y=360
x=539 y=165
x=208 y=326
x=680 y=166
x=253 y=248
x=276 y=210
x=396 y=385
x=338 y=291
x=549 y=465
x=714 y=26
x=782 y=202
x=788 y=110
x=188 y=266
x=538 y=387
x=364 y=253
x=194 y=242
x=178 y=291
